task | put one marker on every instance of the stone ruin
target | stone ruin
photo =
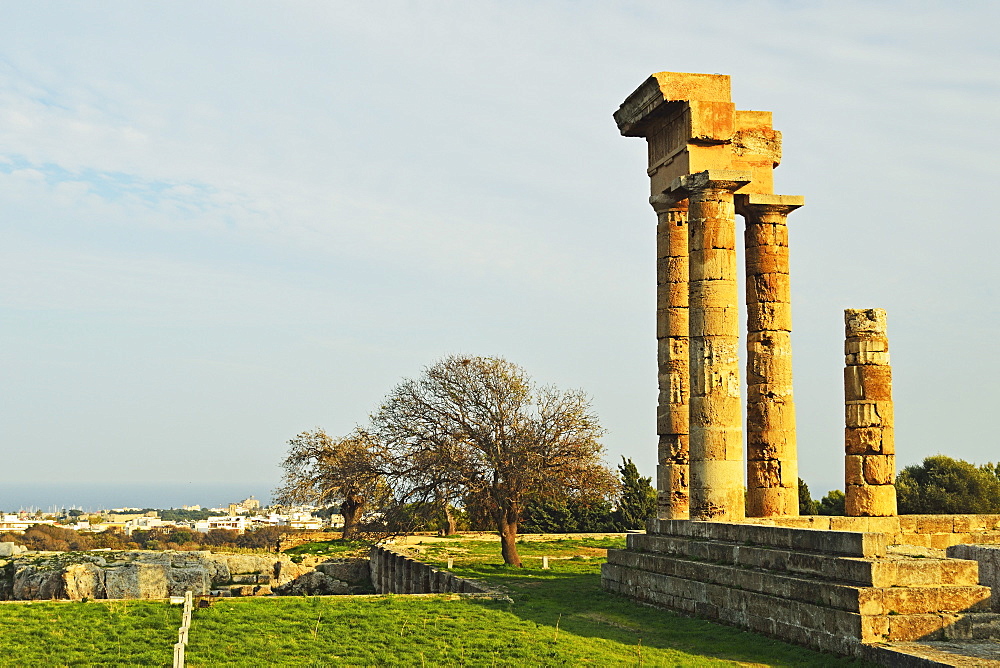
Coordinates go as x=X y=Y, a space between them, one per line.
x=140 y=574
x=851 y=585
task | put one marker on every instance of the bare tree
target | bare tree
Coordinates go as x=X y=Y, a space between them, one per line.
x=478 y=425
x=324 y=470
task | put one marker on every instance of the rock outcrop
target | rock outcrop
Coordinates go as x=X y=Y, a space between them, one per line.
x=11 y=549
x=79 y=576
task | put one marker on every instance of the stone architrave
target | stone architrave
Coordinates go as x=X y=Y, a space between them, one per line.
x=716 y=429
x=772 y=462
x=672 y=356
x=870 y=451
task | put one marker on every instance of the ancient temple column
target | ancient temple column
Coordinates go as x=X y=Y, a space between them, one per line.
x=716 y=433
x=672 y=357
x=870 y=461
x=772 y=463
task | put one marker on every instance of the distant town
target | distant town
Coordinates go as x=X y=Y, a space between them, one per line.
x=241 y=516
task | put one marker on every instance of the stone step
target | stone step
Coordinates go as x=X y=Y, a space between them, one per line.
x=818 y=626
x=844 y=543
x=945 y=626
x=850 y=597
x=825 y=628
x=862 y=571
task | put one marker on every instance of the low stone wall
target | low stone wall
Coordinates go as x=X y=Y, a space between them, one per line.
x=934 y=531
x=395 y=573
x=290 y=540
x=833 y=590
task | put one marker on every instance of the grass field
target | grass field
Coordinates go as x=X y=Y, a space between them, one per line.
x=558 y=617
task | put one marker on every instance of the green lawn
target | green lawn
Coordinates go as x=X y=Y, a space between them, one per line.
x=558 y=617
x=116 y=633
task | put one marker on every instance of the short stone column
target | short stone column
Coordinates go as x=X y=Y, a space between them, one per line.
x=772 y=463
x=672 y=410
x=870 y=461
x=716 y=430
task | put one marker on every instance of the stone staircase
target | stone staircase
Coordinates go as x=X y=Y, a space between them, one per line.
x=837 y=591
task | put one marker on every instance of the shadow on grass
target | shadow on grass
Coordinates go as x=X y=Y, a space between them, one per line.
x=572 y=600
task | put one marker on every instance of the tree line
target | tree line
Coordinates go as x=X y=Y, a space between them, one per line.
x=54 y=538
x=940 y=485
x=472 y=441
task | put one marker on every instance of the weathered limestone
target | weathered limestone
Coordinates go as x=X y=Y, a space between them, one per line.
x=156 y=575
x=672 y=352
x=690 y=124
x=772 y=462
x=11 y=549
x=870 y=462
x=716 y=430
x=702 y=148
x=395 y=573
x=837 y=591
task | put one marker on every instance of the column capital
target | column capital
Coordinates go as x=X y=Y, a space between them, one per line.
x=729 y=180
x=754 y=205
x=669 y=201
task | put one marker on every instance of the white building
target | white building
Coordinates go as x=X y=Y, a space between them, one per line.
x=233 y=522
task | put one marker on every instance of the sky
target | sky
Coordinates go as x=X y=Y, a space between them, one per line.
x=225 y=223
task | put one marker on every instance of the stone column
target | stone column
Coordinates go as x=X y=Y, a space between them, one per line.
x=672 y=357
x=716 y=433
x=772 y=463
x=870 y=450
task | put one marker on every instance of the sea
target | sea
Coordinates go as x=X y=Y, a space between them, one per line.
x=90 y=497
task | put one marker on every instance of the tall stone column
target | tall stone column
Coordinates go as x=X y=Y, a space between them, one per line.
x=672 y=356
x=716 y=433
x=772 y=463
x=870 y=461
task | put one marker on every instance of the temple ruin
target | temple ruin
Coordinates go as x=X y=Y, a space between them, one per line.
x=739 y=553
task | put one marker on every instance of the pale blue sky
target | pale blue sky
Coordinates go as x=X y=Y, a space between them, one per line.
x=227 y=222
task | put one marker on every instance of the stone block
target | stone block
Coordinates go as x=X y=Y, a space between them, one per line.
x=764 y=287
x=864 y=321
x=869 y=441
x=853 y=473
x=771 y=501
x=764 y=473
x=942 y=541
x=767 y=260
x=670 y=247
x=671 y=421
x=722 y=320
x=672 y=270
x=870 y=500
x=868 y=383
x=917 y=627
x=770 y=237
x=672 y=295
x=711 y=121
x=712 y=265
x=961 y=572
x=771 y=414
x=712 y=237
x=769 y=316
x=868 y=414
x=985 y=626
x=878 y=469
x=672 y=354
x=934 y=524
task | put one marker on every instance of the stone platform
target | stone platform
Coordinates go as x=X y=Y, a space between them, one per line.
x=835 y=590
